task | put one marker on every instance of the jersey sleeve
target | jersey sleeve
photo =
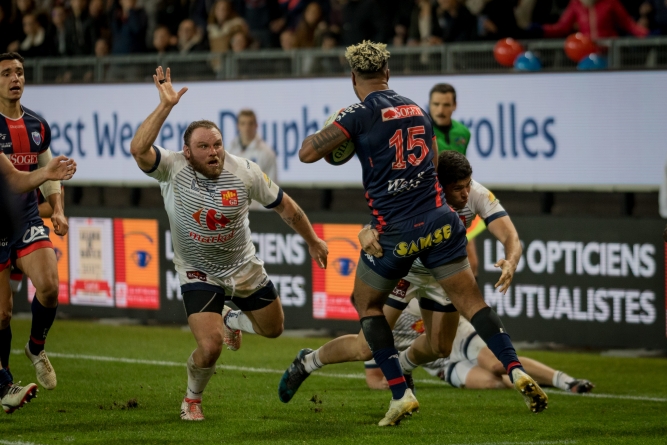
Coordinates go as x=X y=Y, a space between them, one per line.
x=354 y=119
x=485 y=204
x=165 y=162
x=46 y=144
x=263 y=189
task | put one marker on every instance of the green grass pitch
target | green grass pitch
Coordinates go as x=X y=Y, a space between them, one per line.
x=107 y=395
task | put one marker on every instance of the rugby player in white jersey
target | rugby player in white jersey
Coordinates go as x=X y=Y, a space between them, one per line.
x=471 y=364
x=207 y=194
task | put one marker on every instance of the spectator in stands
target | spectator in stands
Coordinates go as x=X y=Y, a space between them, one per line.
x=101 y=48
x=240 y=41
x=190 y=38
x=57 y=34
x=595 y=18
x=366 y=20
x=498 y=20
x=294 y=9
x=248 y=144
x=163 y=41
x=654 y=16
x=265 y=21
x=455 y=21
x=223 y=23
x=79 y=30
x=23 y=7
x=287 y=40
x=128 y=28
x=99 y=20
x=333 y=64
x=310 y=27
x=35 y=43
x=171 y=12
x=424 y=27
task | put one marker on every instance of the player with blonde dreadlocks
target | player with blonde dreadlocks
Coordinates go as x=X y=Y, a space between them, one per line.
x=396 y=146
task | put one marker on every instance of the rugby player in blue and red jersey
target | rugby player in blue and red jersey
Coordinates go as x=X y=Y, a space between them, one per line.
x=395 y=144
x=25 y=139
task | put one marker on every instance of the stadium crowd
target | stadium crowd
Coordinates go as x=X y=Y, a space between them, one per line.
x=48 y=28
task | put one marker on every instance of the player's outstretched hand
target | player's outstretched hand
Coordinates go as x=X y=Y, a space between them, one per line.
x=319 y=252
x=369 y=239
x=168 y=96
x=60 y=168
x=506 y=276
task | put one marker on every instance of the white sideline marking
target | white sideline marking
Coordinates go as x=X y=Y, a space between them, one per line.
x=539 y=442
x=6 y=442
x=136 y=361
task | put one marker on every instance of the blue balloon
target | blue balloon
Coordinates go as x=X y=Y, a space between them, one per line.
x=592 y=62
x=527 y=62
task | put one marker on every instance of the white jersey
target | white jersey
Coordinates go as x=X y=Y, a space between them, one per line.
x=209 y=217
x=480 y=202
x=260 y=153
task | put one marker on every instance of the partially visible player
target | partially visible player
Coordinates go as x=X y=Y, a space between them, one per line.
x=450 y=134
x=395 y=144
x=25 y=141
x=206 y=194
x=471 y=364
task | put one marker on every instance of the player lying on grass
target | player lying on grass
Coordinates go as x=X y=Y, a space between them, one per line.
x=26 y=139
x=207 y=194
x=471 y=364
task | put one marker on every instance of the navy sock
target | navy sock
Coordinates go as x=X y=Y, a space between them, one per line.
x=42 y=320
x=489 y=327
x=5 y=346
x=5 y=377
x=381 y=341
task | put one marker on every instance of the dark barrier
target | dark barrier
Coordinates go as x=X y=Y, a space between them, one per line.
x=582 y=282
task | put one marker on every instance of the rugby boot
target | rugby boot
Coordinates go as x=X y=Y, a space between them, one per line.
x=400 y=408
x=293 y=377
x=533 y=395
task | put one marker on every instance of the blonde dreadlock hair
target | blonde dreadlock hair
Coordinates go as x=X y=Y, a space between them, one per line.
x=367 y=57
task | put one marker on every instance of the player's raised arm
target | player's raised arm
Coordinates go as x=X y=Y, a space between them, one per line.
x=503 y=229
x=292 y=214
x=318 y=145
x=59 y=168
x=141 y=144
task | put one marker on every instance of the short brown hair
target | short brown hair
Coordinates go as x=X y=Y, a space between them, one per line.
x=442 y=88
x=247 y=112
x=11 y=56
x=198 y=124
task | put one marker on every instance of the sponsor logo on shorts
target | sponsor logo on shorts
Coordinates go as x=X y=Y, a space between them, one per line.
x=34 y=233
x=195 y=275
x=36 y=137
x=401 y=289
x=370 y=258
x=401 y=112
x=23 y=158
x=211 y=239
x=230 y=198
x=409 y=248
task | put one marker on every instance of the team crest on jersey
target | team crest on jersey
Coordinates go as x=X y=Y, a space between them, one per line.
x=37 y=137
x=418 y=326
x=230 y=198
x=400 y=112
x=461 y=141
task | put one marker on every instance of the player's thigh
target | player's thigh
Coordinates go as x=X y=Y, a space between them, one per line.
x=487 y=360
x=207 y=330
x=41 y=266
x=479 y=378
x=462 y=290
x=6 y=301
x=268 y=320
x=368 y=299
x=443 y=331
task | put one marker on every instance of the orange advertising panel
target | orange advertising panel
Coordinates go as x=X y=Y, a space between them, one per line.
x=333 y=286
x=60 y=247
x=137 y=263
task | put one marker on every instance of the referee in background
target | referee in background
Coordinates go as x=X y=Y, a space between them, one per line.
x=450 y=134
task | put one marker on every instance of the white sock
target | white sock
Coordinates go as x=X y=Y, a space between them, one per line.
x=312 y=361
x=237 y=320
x=405 y=362
x=561 y=380
x=197 y=379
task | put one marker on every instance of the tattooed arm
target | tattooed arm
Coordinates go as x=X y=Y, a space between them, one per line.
x=292 y=214
x=317 y=145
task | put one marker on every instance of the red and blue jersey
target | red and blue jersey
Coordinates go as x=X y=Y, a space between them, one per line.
x=393 y=138
x=22 y=140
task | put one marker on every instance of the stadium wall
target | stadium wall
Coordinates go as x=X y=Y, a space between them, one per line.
x=582 y=282
x=546 y=131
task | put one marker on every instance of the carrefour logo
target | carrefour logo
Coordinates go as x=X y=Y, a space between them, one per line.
x=512 y=135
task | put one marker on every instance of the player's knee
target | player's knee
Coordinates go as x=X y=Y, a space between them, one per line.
x=49 y=290
x=211 y=349
x=272 y=331
x=442 y=350
x=5 y=318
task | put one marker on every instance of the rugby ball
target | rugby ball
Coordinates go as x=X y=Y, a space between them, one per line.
x=345 y=151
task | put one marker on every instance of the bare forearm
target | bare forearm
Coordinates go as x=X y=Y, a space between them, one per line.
x=55 y=203
x=296 y=218
x=513 y=249
x=149 y=130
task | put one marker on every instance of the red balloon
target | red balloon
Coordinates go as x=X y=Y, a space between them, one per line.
x=578 y=46
x=506 y=50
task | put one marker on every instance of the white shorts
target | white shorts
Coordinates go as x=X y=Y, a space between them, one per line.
x=250 y=278
x=423 y=287
x=456 y=373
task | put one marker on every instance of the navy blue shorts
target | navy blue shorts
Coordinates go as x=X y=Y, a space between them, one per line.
x=436 y=237
x=33 y=235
